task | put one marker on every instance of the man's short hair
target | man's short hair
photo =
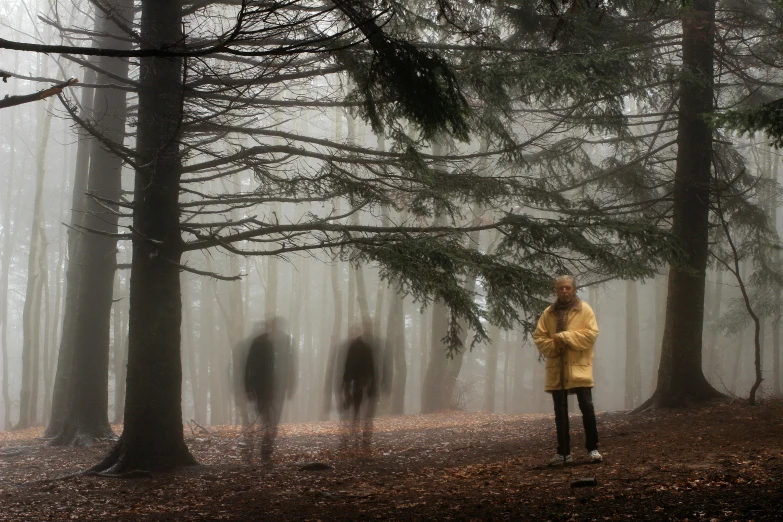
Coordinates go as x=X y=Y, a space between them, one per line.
x=566 y=276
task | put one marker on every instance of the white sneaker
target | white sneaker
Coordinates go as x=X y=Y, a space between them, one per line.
x=594 y=456
x=559 y=460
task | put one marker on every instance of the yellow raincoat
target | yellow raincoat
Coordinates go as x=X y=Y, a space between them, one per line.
x=573 y=368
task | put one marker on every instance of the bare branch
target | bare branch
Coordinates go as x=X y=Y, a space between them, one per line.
x=10 y=101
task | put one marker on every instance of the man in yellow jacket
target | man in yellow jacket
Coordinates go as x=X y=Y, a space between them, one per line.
x=566 y=335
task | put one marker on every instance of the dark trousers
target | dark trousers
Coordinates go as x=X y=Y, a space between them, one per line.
x=269 y=413
x=585 y=398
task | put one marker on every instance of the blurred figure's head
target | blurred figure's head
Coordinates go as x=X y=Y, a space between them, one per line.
x=367 y=327
x=259 y=326
x=275 y=323
x=355 y=330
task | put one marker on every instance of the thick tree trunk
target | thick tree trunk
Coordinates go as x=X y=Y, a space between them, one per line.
x=87 y=417
x=73 y=273
x=680 y=376
x=152 y=437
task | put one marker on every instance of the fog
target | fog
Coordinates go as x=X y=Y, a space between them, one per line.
x=320 y=292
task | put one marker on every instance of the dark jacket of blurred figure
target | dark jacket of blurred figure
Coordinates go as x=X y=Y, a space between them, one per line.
x=359 y=375
x=270 y=377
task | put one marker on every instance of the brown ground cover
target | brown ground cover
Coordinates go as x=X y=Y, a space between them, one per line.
x=719 y=462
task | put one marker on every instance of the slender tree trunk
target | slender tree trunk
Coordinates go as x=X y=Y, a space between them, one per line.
x=120 y=353
x=334 y=275
x=59 y=284
x=737 y=363
x=508 y=353
x=492 y=369
x=191 y=347
x=334 y=343
x=711 y=346
x=454 y=365
x=322 y=349
x=31 y=314
x=432 y=393
x=741 y=339
x=680 y=375
x=776 y=381
x=395 y=336
x=633 y=388
x=236 y=325
x=424 y=344
x=46 y=319
x=4 y=272
x=209 y=367
x=152 y=437
x=522 y=398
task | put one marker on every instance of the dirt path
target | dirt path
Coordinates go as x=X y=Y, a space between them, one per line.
x=722 y=462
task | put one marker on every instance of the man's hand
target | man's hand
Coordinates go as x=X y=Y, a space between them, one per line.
x=560 y=344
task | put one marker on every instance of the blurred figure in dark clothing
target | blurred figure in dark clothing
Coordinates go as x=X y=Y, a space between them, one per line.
x=358 y=382
x=270 y=377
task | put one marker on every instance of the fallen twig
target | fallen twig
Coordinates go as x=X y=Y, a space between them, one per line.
x=202 y=428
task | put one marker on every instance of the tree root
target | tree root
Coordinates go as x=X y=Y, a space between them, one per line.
x=78 y=437
x=136 y=473
x=646 y=405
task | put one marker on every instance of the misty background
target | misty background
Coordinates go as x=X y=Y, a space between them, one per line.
x=320 y=295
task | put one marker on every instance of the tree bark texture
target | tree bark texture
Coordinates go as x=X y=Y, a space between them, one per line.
x=73 y=273
x=680 y=376
x=152 y=437
x=87 y=407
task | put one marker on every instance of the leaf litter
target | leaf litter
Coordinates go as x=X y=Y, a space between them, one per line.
x=723 y=461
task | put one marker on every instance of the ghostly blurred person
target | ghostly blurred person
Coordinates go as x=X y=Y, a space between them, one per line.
x=238 y=366
x=270 y=378
x=358 y=382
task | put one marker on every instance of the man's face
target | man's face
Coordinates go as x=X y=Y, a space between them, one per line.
x=564 y=288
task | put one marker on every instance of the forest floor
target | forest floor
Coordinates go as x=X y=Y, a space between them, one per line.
x=721 y=462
